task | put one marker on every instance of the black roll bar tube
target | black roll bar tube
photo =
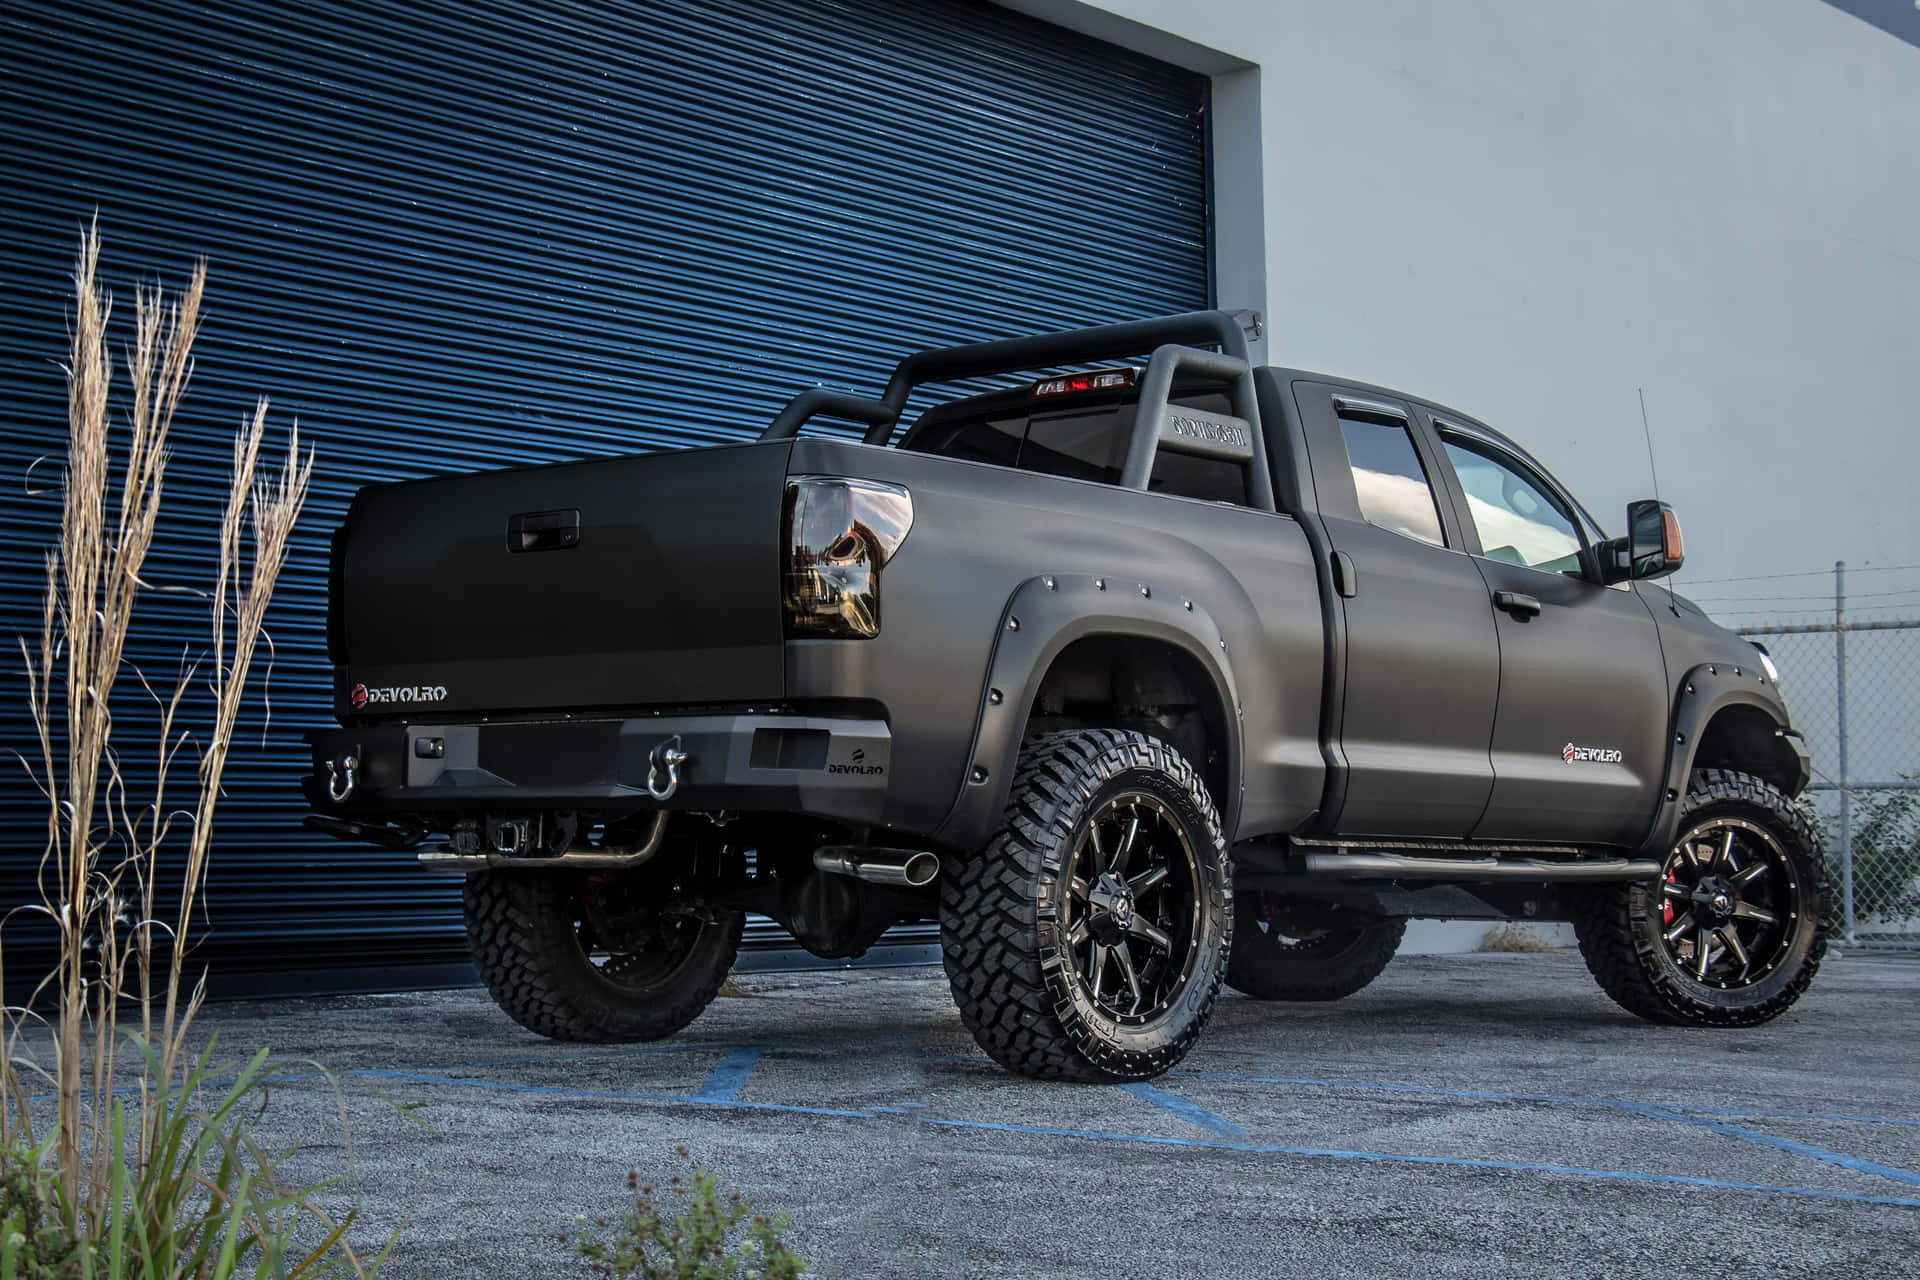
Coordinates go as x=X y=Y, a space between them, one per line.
x=1007 y=355
x=1156 y=386
x=1163 y=336
x=815 y=401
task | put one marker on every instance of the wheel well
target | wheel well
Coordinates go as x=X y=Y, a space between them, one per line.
x=1128 y=682
x=1747 y=739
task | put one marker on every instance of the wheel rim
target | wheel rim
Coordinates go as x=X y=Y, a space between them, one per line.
x=1132 y=911
x=652 y=945
x=1729 y=904
x=1301 y=928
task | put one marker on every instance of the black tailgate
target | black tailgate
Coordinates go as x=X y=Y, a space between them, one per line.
x=615 y=582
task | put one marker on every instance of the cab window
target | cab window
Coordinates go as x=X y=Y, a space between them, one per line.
x=1388 y=479
x=1081 y=442
x=1519 y=521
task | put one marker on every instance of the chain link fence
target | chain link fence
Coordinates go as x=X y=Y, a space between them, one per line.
x=1854 y=690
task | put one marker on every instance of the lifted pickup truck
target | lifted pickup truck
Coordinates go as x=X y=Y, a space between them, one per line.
x=1137 y=678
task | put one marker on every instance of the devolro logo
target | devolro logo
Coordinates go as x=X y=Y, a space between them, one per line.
x=1227 y=433
x=362 y=696
x=856 y=763
x=1590 y=755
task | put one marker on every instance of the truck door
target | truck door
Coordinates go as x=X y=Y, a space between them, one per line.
x=1579 y=737
x=1422 y=659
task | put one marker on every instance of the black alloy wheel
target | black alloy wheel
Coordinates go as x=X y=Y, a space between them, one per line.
x=1729 y=903
x=1733 y=931
x=1132 y=911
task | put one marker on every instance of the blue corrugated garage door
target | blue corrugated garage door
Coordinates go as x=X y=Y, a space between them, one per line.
x=455 y=236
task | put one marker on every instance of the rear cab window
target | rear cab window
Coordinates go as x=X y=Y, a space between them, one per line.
x=1388 y=481
x=1081 y=437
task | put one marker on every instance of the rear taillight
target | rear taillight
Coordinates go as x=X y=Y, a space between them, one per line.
x=840 y=534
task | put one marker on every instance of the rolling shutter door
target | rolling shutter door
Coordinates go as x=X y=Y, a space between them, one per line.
x=447 y=237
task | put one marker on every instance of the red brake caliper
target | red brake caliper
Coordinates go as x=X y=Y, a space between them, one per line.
x=1666 y=903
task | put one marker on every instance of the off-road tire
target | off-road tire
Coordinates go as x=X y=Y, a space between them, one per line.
x=1350 y=952
x=523 y=927
x=1004 y=933
x=1621 y=927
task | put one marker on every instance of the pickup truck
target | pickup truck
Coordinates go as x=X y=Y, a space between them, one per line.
x=1137 y=677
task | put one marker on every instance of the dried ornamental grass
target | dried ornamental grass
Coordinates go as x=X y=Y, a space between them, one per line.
x=156 y=1177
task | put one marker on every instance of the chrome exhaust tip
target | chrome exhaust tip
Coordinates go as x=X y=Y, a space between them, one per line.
x=901 y=868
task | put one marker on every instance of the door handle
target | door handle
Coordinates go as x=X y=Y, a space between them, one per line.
x=1345 y=580
x=1518 y=603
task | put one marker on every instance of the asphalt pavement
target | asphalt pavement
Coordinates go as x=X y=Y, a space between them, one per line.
x=1478 y=1115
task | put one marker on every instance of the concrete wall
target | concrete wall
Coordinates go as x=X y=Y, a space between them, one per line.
x=1528 y=211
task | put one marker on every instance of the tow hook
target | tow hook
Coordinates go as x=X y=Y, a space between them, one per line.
x=342 y=778
x=665 y=758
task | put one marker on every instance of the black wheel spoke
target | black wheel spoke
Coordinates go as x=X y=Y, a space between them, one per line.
x=1125 y=853
x=1148 y=879
x=1679 y=930
x=1759 y=915
x=1750 y=874
x=1732 y=939
x=1079 y=933
x=1125 y=957
x=1153 y=934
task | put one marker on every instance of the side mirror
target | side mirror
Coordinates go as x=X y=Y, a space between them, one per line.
x=1651 y=548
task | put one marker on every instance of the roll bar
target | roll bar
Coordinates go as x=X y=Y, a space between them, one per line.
x=1174 y=341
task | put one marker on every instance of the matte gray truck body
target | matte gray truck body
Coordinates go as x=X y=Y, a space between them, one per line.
x=1388 y=715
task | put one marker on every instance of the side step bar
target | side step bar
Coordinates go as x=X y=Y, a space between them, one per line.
x=1396 y=866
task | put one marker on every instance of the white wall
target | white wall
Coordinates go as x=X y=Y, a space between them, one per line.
x=1528 y=210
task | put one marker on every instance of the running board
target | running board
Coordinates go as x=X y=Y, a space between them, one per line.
x=1395 y=866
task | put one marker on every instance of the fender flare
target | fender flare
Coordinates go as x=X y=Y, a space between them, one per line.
x=1042 y=617
x=1705 y=691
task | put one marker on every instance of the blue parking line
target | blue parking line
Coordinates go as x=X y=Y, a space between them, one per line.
x=1768 y=1140
x=727 y=1078
x=637 y=1051
x=614 y=1095
x=1456 y=1162
x=1218 y=1126
x=1247 y=1148
x=1479 y=1095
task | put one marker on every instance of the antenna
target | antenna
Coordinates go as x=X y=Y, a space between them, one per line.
x=1647 y=427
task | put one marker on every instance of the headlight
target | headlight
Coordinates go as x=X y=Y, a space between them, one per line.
x=1766 y=660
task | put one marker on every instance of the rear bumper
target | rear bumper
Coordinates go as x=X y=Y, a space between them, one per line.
x=830 y=768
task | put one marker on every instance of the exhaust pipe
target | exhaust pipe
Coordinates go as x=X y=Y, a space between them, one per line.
x=583 y=857
x=901 y=868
